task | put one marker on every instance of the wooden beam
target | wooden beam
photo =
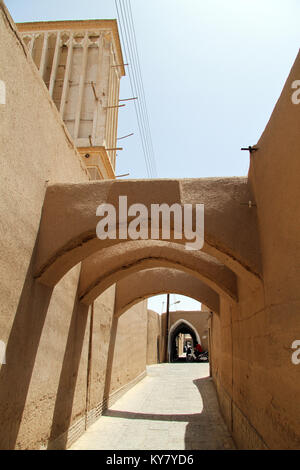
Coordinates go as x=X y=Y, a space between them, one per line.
x=130 y=99
x=115 y=106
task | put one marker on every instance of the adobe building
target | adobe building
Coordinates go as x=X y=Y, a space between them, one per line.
x=67 y=312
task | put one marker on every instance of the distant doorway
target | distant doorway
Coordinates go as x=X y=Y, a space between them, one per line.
x=182 y=335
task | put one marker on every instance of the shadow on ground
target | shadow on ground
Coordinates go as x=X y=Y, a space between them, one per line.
x=204 y=431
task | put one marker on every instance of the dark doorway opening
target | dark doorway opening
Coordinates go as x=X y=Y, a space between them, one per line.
x=188 y=336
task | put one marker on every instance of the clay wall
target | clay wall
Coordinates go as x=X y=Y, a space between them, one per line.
x=56 y=348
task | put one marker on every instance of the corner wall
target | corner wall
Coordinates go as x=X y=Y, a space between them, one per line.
x=259 y=409
x=237 y=344
x=258 y=385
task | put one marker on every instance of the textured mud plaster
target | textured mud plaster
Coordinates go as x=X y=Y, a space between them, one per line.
x=154 y=337
x=44 y=383
x=274 y=175
x=33 y=141
x=115 y=263
x=69 y=212
x=131 y=346
x=160 y=281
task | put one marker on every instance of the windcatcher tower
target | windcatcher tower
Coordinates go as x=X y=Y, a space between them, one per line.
x=81 y=64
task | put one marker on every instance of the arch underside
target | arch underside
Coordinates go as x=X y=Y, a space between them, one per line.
x=68 y=225
x=157 y=281
x=114 y=264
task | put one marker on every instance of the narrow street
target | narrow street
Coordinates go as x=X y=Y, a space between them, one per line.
x=174 y=408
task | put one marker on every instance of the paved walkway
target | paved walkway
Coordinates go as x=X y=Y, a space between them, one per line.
x=173 y=408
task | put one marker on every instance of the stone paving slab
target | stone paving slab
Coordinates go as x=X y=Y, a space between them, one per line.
x=174 y=408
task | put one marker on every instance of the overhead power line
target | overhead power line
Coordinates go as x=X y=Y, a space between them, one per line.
x=128 y=38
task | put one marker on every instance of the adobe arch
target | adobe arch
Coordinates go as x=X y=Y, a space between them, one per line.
x=68 y=224
x=157 y=281
x=181 y=325
x=111 y=265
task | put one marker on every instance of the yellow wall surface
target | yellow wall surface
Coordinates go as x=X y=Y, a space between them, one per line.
x=154 y=338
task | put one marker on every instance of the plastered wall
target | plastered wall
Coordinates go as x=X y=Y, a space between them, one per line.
x=260 y=409
x=274 y=174
x=131 y=346
x=258 y=385
x=154 y=338
x=56 y=356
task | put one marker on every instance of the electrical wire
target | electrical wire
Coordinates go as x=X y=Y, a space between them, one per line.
x=128 y=38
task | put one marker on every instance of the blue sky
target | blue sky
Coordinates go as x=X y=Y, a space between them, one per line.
x=212 y=71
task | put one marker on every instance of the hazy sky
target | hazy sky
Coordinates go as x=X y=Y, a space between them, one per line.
x=212 y=71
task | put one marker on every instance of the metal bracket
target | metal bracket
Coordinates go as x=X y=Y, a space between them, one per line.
x=250 y=148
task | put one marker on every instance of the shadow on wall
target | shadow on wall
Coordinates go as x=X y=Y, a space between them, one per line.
x=110 y=357
x=68 y=377
x=21 y=351
x=204 y=431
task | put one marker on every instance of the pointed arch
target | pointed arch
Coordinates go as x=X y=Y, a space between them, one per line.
x=175 y=330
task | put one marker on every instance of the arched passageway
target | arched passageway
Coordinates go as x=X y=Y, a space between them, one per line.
x=68 y=225
x=180 y=327
x=110 y=265
x=113 y=264
x=151 y=282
